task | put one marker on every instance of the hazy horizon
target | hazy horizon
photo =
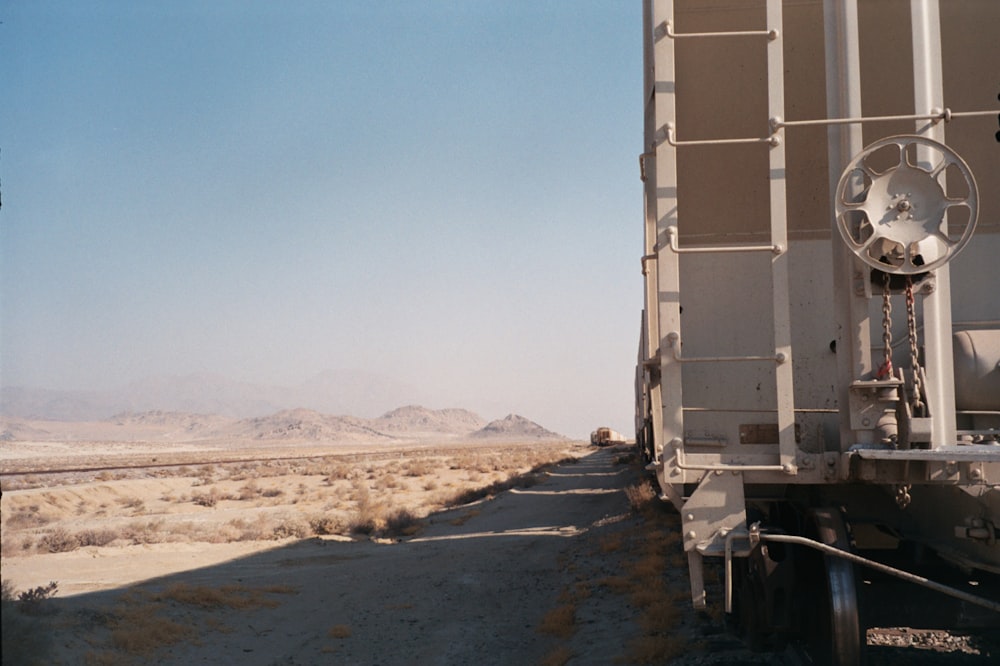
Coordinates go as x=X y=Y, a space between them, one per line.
x=446 y=194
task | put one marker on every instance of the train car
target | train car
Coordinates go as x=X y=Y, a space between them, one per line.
x=818 y=381
x=605 y=436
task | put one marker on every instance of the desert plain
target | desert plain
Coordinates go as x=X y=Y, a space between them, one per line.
x=420 y=537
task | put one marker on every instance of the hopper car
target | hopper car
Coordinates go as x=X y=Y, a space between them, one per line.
x=818 y=377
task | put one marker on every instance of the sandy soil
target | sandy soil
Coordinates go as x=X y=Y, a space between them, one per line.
x=559 y=570
x=529 y=575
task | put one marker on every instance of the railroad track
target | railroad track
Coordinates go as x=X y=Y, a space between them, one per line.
x=131 y=462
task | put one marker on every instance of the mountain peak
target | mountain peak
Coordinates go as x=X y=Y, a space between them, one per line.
x=515 y=426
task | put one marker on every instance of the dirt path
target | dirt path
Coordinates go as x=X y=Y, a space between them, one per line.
x=560 y=572
x=472 y=587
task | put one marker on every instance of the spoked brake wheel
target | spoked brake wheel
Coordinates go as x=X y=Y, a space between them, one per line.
x=895 y=219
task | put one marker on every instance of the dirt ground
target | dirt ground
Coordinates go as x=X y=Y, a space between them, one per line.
x=580 y=565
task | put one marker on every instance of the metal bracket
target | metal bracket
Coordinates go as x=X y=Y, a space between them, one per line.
x=716 y=507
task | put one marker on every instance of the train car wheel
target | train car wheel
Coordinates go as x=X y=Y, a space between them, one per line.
x=832 y=626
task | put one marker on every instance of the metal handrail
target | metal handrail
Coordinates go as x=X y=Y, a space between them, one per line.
x=857 y=559
x=666 y=133
x=673 y=341
x=884 y=568
x=678 y=446
x=935 y=115
x=672 y=235
x=666 y=28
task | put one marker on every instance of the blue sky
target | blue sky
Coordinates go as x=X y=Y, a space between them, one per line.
x=443 y=193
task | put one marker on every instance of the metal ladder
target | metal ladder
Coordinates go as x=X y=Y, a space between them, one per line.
x=662 y=142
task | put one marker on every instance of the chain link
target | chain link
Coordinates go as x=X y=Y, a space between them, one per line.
x=911 y=325
x=886 y=369
x=903 y=495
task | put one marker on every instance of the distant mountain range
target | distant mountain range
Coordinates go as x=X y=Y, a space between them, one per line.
x=405 y=423
x=333 y=405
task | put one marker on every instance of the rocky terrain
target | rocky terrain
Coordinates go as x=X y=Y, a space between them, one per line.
x=301 y=425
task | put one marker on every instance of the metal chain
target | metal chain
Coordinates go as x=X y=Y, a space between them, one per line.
x=886 y=369
x=903 y=495
x=911 y=325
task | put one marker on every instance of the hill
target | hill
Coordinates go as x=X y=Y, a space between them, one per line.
x=409 y=423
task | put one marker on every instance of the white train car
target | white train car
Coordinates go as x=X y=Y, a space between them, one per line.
x=818 y=385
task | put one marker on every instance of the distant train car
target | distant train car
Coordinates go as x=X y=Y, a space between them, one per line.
x=822 y=200
x=606 y=437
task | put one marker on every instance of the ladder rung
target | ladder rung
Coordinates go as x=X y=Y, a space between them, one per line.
x=666 y=133
x=706 y=249
x=674 y=342
x=666 y=29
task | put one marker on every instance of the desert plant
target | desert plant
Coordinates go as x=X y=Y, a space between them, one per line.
x=58 y=540
x=249 y=490
x=640 y=496
x=225 y=596
x=25 y=640
x=26 y=516
x=559 y=622
x=293 y=527
x=339 y=631
x=418 y=468
x=32 y=602
x=140 y=630
x=401 y=522
x=323 y=524
x=209 y=499
x=656 y=649
x=362 y=522
x=135 y=503
x=140 y=533
x=95 y=537
x=558 y=656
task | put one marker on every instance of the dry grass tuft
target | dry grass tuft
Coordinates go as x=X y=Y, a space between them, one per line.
x=24 y=517
x=58 y=540
x=464 y=518
x=557 y=657
x=661 y=616
x=141 y=624
x=401 y=522
x=140 y=629
x=340 y=631
x=640 y=496
x=323 y=524
x=655 y=649
x=617 y=584
x=226 y=596
x=560 y=621
x=418 y=468
x=610 y=543
x=209 y=499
